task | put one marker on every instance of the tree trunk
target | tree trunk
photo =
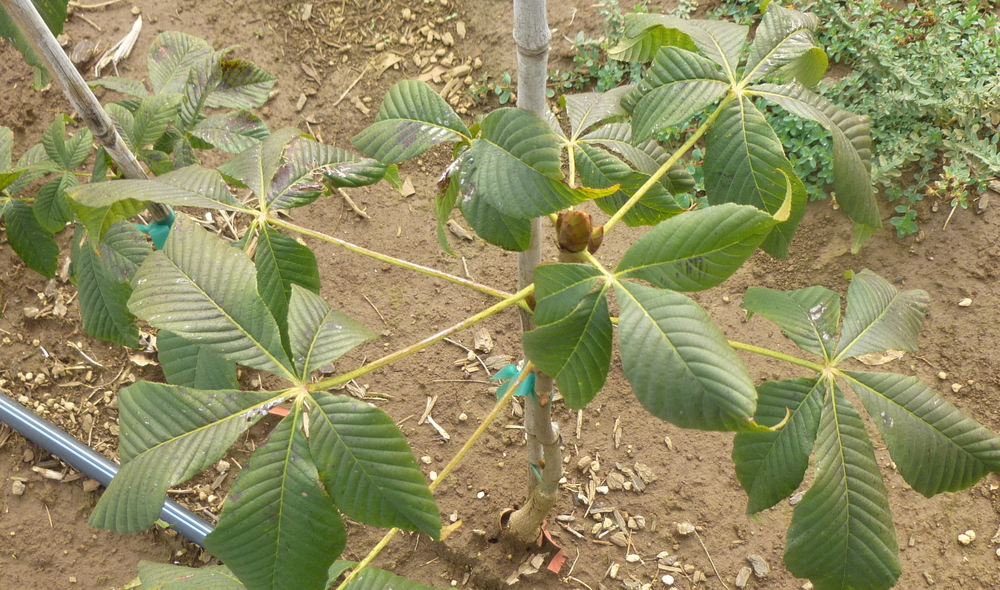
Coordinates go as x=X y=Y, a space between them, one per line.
x=27 y=19
x=532 y=36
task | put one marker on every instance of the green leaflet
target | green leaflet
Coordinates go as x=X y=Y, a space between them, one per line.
x=572 y=340
x=599 y=169
x=51 y=206
x=783 y=36
x=678 y=362
x=372 y=578
x=170 y=59
x=367 y=466
x=168 y=435
x=879 y=317
x=770 y=465
x=293 y=184
x=240 y=85
x=646 y=156
x=936 y=447
x=679 y=85
x=281 y=262
x=746 y=164
x=191 y=186
x=68 y=154
x=721 y=41
x=256 y=167
x=163 y=576
x=189 y=365
x=205 y=291
x=279 y=529
x=36 y=247
x=590 y=108
x=53 y=13
x=810 y=316
x=320 y=335
x=508 y=232
x=103 y=273
x=698 y=249
x=232 y=132
x=842 y=534
x=411 y=120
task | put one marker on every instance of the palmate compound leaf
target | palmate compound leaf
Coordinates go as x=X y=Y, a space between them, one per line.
x=168 y=435
x=164 y=576
x=809 y=316
x=281 y=262
x=412 y=119
x=783 y=36
x=720 y=40
x=189 y=365
x=279 y=529
x=841 y=535
x=851 y=147
x=318 y=333
x=696 y=250
x=35 y=246
x=879 y=317
x=936 y=447
x=770 y=465
x=293 y=184
x=372 y=578
x=678 y=362
x=599 y=169
x=204 y=290
x=515 y=167
x=745 y=164
x=170 y=59
x=67 y=153
x=191 y=186
x=103 y=273
x=368 y=467
x=678 y=85
x=572 y=340
x=590 y=108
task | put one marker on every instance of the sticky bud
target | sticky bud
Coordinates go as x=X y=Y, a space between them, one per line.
x=596 y=238
x=574 y=229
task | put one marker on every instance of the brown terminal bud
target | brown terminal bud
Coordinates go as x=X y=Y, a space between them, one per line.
x=596 y=239
x=574 y=229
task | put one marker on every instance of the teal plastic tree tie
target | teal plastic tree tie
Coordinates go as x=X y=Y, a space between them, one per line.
x=509 y=372
x=158 y=230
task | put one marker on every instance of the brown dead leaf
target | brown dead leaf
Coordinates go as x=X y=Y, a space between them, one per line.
x=873 y=359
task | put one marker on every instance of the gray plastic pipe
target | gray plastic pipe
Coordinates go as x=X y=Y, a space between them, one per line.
x=91 y=463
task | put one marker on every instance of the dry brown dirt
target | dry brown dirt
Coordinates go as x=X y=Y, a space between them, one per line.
x=44 y=539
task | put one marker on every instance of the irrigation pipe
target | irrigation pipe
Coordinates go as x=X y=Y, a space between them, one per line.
x=92 y=464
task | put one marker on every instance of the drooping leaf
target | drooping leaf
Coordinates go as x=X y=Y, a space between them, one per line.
x=572 y=340
x=35 y=246
x=646 y=156
x=231 y=132
x=746 y=164
x=722 y=41
x=809 y=68
x=67 y=153
x=279 y=529
x=103 y=273
x=640 y=43
x=168 y=435
x=599 y=169
x=205 y=291
x=809 y=316
x=515 y=166
x=293 y=183
x=841 y=535
x=51 y=205
x=126 y=86
x=879 y=317
x=164 y=576
x=783 y=36
x=771 y=465
x=171 y=57
x=99 y=219
x=256 y=167
x=53 y=13
x=936 y=447
x=189 y=365
x=192 y=186
x=851 y=147
x=368 y=467
x=696 y=250
x=678 y=362
x=590 y=108
x=282 y=262
x=678 y=85
x=412 y=119
x=241 y=85
x=318 y=333
x=372 y=578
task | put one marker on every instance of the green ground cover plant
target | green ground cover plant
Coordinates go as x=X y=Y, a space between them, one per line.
x=220 y=303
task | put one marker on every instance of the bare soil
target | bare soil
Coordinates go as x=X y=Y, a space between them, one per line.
x=44 y=539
